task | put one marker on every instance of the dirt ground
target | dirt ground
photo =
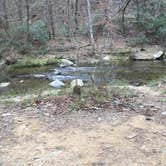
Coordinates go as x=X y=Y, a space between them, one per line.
x=100 y=138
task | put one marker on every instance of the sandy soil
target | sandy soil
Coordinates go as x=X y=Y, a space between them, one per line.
x=99 y=138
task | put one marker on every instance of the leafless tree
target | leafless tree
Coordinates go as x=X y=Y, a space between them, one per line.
x=90 y=23
x=20 y=10
x=5 y=13
x=51 y=19
x=28 y=19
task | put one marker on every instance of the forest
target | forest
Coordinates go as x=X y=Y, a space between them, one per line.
x=83 y=82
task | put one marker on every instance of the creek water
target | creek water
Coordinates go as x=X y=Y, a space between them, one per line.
x=26 y=80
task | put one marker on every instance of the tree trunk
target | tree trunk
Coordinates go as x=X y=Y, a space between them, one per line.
x=137 y=2
x=76 y=16
x=28 y=19
x=92 y=42
x=123 y=22
x=50 y=11
x=5 y=14
x=47 y=19
x=108 y=9
x=68 y=17
x=20 y=12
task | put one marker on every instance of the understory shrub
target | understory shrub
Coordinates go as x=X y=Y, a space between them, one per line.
x=17 y=34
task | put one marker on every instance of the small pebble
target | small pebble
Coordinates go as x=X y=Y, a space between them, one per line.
x=99 y=119
x=7 y=114
x=133 y=135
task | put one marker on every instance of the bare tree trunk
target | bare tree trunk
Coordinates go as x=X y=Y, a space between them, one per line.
x=76 y=16
x=50 y=11
x=68 y=17
x=5 y=14
x=28 y=18
x=20 y=12
x=92 y=42
x=123 y=9
x=108 y=9
x=157 y=8
x=137 y=2
x=123 y=23
x=46 y=18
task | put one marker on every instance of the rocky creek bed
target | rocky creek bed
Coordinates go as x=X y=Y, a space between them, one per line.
x=37 y=78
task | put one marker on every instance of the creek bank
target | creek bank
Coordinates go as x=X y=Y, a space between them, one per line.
x=35 y=62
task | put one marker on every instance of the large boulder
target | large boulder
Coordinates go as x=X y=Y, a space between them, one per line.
x=57 y=84
x=107 y=58
x=77 y=82
x=145 y=55
x=65 y=63
x=4 y=84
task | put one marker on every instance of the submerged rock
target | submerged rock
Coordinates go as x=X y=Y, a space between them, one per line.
x=56 y=72
x=4 y=84
x=65 y=63
x=61 y=77
x=57 y=84
x=77 y=82
x=38 y=75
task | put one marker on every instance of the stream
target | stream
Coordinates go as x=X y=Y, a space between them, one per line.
x=28 y=80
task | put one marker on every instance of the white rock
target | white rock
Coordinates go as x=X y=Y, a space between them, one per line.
x=158 y=55
x=7 y=114
x=21 y=81
x=133 y=135
x=4 y=84
x=65 y=63
x=106 y=58
x=164 y=113
x=99 y=119
x=56 y=71
x=39 y=75
x=77 y=82
x=2 y=63
x=57 y=84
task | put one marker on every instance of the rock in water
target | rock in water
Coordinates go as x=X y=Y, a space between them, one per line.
x=39 y=75
x=4 y=84
x=57 y=72
x=77 y=82
x=164 y=113
x=65 y=63
x=57 y=84
x=158 y=55
x=147 y=55
x=106 y=58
